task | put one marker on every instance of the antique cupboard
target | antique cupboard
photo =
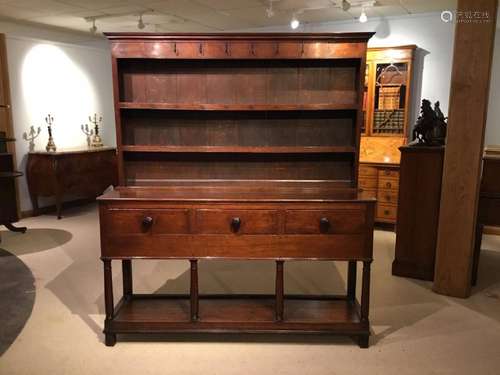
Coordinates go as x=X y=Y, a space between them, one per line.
x=386 y=105
x=237 y=146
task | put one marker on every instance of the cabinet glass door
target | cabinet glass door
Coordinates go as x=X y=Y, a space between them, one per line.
x=364 y=124
x=389 y=104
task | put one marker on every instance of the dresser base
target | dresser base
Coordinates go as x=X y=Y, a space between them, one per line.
x=222 y=313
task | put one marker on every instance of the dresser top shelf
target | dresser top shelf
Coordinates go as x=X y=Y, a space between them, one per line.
x=138 y=37
x=235 y=193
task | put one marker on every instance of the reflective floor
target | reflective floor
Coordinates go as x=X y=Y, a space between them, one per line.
x=414 y=330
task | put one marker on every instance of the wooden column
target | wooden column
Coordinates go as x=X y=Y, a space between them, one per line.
x=470 y=79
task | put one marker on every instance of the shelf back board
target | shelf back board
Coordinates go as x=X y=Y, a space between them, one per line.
x=215 y=107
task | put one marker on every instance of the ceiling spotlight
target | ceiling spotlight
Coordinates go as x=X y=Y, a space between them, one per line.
x=140 y=24
x=93 y=29
x=294 y=23
x=346 y=5
x=363 y=18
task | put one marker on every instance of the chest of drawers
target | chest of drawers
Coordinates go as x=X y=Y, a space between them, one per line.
x=146 y=224
x=381 y=181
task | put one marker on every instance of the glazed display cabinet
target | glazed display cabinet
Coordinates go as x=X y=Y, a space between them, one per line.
x=386 y=109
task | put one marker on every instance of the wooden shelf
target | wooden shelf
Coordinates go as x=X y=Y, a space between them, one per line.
x=242 y=149
x=167 y=313
x=239 y=107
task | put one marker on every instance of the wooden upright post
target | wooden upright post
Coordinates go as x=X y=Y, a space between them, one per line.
x=472 y=59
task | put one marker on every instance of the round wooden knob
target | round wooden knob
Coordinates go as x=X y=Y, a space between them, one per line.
x=324 y=224
x=386 y=212
x=235 y=224
x=388 y=198
x=388 y=185
x=147 y=222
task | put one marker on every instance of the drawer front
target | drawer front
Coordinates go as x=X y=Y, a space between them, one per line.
x=367 y=183
x=124 y=222
x=390 y=173
x=365 y=170
x=386 y=212
x=220 y=221
x=387 y=197
x=388 y=183
x=251 y=246
x=324 y=222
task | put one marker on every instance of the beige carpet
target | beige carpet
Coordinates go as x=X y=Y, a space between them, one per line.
x=414 y=330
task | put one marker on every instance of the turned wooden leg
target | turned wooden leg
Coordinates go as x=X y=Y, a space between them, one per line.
x=279 y=290
x=127 y=278
x=194 y=290
x=363 y=340
x=12 y=228
x=351 y=280
x=110 y=339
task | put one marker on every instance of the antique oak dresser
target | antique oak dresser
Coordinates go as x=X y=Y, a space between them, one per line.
x=237 y=146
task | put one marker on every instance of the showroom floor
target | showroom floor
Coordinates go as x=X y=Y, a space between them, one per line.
x=414 y=330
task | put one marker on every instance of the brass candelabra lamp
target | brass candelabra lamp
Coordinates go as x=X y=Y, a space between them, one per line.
x=96 y=138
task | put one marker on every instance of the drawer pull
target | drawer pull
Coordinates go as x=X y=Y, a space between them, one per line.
x=388 y=198
x=386 y=212
x=147 y=222
x=324 y=225
x=388 y=185
x=235 y=224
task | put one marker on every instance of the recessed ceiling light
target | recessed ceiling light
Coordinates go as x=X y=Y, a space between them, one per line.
x=294 y=23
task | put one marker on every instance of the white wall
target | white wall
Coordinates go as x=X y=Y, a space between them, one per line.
x=69 y=80
x=434 y=57
x=82 y=84
x=433 y=37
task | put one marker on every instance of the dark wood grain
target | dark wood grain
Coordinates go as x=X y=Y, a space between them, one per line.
x=238 y=146
x=419 y=198
x=79 y=172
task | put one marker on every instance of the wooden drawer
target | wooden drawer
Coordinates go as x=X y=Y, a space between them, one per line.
x=365 y=170
x=324 y=221
x=386 y=212
x=146 y=221
x=368 y=193
x=220 y=221
x=367 y=183
x=390 y=173
x=387 y=183
x=387 y=196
